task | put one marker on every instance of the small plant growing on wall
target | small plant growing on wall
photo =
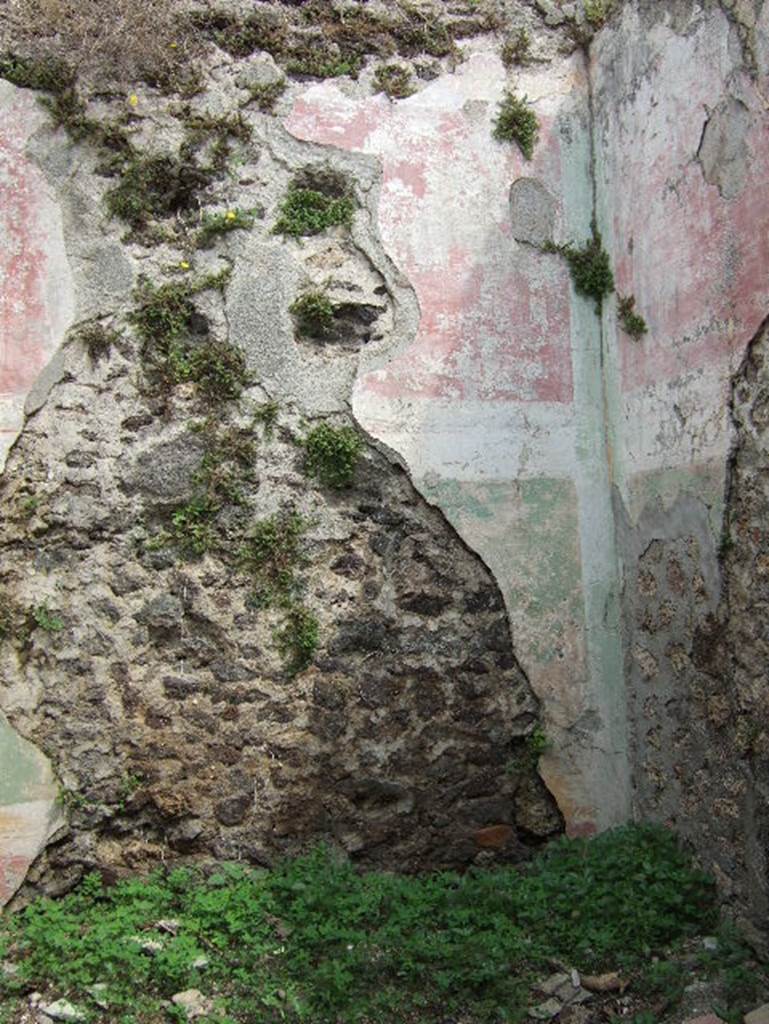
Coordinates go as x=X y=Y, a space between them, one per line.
x=517 y=122
x=590 y=267
x=307 y=212
x=597 y=11
x=266 y=94
x=97 y=340
x=632 y=322
x=516 y=49
x=331 y=455
x=270 y=554
x=313 y=314
x=216 y=224
x=298 y=638
x=394 y=80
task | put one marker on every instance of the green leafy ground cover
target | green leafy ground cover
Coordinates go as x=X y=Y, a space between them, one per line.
x=313 y=940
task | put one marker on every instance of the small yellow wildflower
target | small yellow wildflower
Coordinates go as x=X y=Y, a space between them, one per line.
x=184 y=265
x=173 y=45
x=231 y=215
x=133 y=99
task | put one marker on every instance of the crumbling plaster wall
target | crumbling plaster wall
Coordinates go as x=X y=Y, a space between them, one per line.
x=682 y=180
x=587 y=469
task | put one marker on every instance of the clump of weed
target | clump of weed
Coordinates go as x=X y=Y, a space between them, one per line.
x=227 y=463
x=97 y=340
x=590 y=267
x=166 y=320
x=598 y=11
x=516 y=49
x=216 y=133
x=162 y=314
x=267 y=415
x=517 y=122
x=298 y=637
x=129 y=40
x=309 y=211
x=45 y=75
x=394 y=80
x=154 y=187
x=56 y=78
x=29 y=505
x=241 y=37
x=526 y=757
x=217 y=369
x=266 y=94
x=313 y=314
x=41 y=617
x=216 y=224
x=331 y=454
x=320 y=65
x=632 y=322
x=193 y=530
x=270 y=554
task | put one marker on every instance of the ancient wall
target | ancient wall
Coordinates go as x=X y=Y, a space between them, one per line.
x=533 y=552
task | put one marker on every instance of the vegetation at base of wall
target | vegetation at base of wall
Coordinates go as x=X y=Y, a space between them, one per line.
x=313 y=315
x=516 y=49
x=331 y=455
x=313 y=940
x=395 y=80
x=307 y=211
x=632 y=322
x=590 y=267
x=517 y=122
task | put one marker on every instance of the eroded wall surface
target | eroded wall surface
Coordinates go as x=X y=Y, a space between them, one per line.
x=682 y=178
x=495 y=404
x=521 y=444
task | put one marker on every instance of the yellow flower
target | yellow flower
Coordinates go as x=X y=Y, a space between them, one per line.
x=184 y=265
x=133 y=99
x=231 y=215
x=173 y=45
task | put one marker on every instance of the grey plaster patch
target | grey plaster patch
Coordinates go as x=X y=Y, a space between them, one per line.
x=50 y=375
x=723 y=152
x=104 y=277
x=532 y=210
x=166 y=472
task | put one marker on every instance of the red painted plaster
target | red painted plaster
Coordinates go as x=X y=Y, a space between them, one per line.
x=23 y=261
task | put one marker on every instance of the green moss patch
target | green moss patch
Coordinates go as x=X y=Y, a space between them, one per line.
x=331 y=455
x=309 y=211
